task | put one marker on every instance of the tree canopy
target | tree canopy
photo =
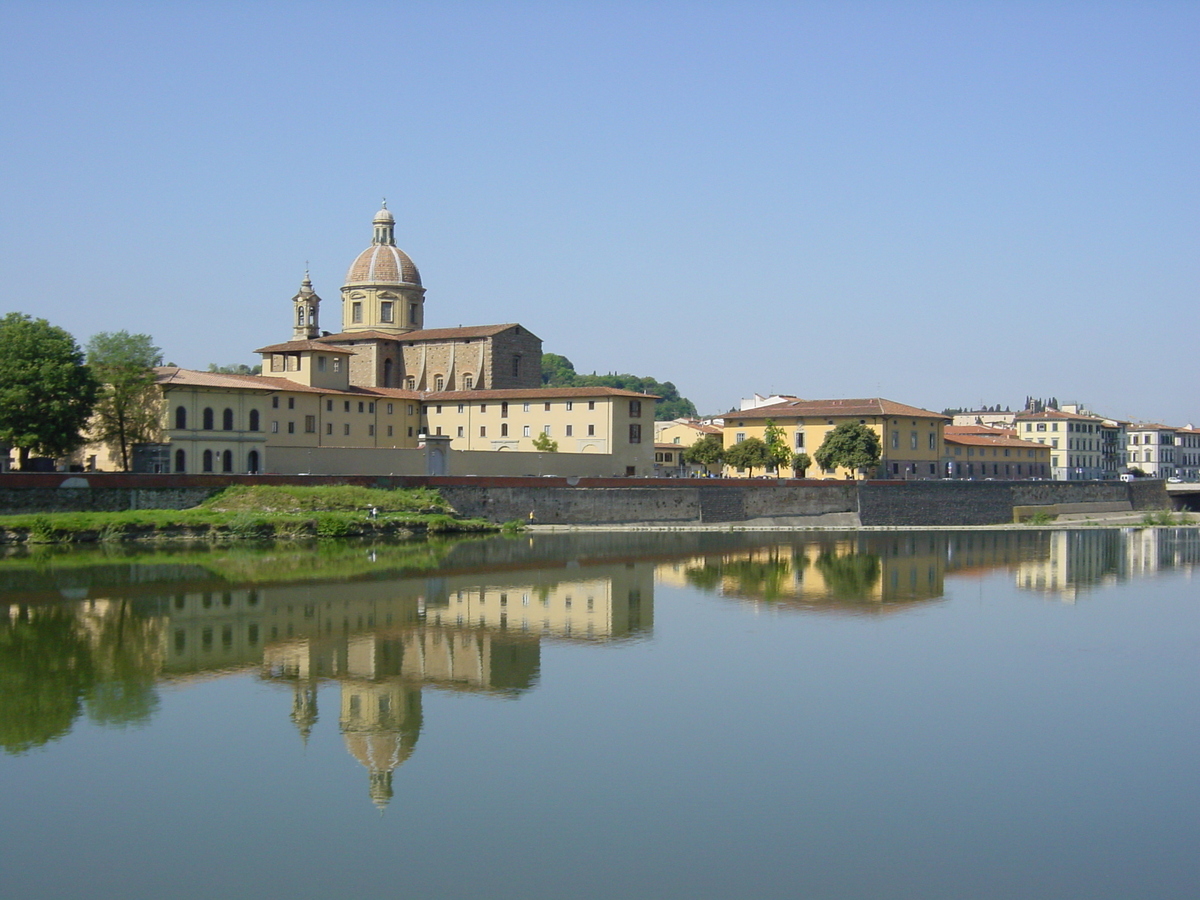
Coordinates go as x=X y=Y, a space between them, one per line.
x=543 y=443
x=706 y=451
x=235 y=369
x=749 y=454
x=46 y=392
x=849 y=446
x=558 y=371
x=776 y=440
x=800 y=463
x=126 y=411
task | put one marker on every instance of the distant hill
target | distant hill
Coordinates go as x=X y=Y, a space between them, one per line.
x=558 y=371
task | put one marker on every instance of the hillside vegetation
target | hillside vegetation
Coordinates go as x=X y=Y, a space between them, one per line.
x=558 y=371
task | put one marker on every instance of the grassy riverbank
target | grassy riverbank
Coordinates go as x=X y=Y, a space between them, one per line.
x=256 y=512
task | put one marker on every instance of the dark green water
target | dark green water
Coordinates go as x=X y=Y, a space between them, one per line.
x=924 y=715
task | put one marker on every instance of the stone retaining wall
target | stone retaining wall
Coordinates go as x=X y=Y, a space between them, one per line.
x=605 y=501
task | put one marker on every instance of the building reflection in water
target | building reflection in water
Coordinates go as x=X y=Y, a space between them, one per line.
x=1075 y=562
x=381 y=642
x=880 y=572
x=96 y=641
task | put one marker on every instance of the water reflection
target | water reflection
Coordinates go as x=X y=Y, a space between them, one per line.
x=883 y=572
x=92 y=634
x=382 y=625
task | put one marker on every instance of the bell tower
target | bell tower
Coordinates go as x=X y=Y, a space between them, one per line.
x=306 y=312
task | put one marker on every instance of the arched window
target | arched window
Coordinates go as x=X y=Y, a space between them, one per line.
x=208 y=418
x=299 y=315
x=387 y=373
x=254 y=420
x=251 y=462
x=468 y=382
x=181 y=417
x=439 y=383
x=227 y=420
x=411 y=383
x=207 y=466
x=180 y=460
x=227 y=461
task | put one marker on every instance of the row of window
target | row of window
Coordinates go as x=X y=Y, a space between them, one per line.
x=387 y=312
x=983 y=452
x=208 y=417
x=210 y=460
x=527 y=431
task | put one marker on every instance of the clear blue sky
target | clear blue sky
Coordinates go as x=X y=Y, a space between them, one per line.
x=940 y=203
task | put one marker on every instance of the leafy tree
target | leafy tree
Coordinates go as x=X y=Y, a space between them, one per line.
x=235 y=369
x=708 y=451
x=126 y=412
x=46 y=392
x=800 y=462
x=776 y=440
x=558 y=371
x=543 y=443
x=749 y=454
x=850 y=446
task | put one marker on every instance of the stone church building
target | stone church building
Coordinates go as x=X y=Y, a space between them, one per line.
x=383 y=319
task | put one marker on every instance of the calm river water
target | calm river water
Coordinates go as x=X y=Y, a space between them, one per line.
x=917 y=715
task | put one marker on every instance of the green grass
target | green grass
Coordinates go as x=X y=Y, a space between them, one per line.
x=256 y=513
x=295 y=499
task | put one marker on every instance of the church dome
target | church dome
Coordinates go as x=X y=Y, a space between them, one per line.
x=383 y=262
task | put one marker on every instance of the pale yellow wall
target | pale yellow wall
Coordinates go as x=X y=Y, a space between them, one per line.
x=301 y=419
x=997 y=459
x=371 y=300
x=195 y=439
x=589 y=425
x=313 y=368
x=896 y=437
x=346 y=461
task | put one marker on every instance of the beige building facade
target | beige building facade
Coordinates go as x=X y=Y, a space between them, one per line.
x=910 y=437
x=363 y=400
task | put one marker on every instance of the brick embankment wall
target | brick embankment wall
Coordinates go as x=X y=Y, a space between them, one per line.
x=611 y=501
x=948 y=503
x=554 y=505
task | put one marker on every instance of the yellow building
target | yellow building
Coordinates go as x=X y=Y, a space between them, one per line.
x=383 y=383
x=910 y=437
x=982 y=452
x=579 y=420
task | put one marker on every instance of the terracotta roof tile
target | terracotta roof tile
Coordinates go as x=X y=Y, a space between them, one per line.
x=172 y=375
x=564 y=393
x=983 y=440
x=297 y=346
x=872 y=406
x=425 y=334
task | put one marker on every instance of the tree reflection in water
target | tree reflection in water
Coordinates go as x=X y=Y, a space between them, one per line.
x=55 y=664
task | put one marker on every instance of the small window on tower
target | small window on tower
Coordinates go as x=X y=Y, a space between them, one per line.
x=385 y=311
x=412 y=314
x=356 y=312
